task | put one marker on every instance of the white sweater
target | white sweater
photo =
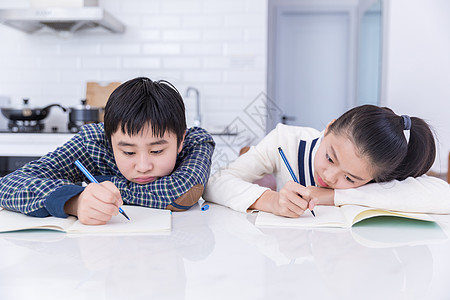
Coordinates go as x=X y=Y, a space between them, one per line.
x=233 y=186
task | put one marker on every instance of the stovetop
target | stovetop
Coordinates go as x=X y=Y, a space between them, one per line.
x=37 y=129
x=32 y=126
x=40 y=132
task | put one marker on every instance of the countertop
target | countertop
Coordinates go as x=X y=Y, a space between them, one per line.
x=31 y=144
x=220 y=254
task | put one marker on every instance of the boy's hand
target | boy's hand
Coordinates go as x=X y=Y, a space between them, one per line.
x=96 y=204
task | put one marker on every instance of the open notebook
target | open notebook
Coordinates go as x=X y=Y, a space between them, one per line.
x=332 y=216
x=142 y=220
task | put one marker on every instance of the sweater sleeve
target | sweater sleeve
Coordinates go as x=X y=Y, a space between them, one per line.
x=233 y=186
x=192 y=168
x=424 y=194
x=41 y=187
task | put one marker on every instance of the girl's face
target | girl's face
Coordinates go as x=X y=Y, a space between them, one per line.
x=144 y=158
x=338 y=165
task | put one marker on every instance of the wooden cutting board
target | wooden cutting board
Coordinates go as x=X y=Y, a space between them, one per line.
x=97 y=94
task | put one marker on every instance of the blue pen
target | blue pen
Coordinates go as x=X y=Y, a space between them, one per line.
x=290 y=170
x=92 y=179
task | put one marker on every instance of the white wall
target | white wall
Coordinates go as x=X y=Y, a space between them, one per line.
x=217 y=46
x=220 y=48
x=418 y=65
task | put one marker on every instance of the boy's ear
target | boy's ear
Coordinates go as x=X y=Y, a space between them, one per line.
x=181 y=143
x=326 y=128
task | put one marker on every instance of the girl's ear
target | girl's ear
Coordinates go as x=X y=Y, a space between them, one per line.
x=326 y=128
x=182 y=142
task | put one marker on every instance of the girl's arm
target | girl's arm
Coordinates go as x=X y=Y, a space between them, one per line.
x=424 y=194
x=233 y=186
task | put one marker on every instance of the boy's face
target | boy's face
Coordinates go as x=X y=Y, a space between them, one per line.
x=144 y=158
x=338 y=165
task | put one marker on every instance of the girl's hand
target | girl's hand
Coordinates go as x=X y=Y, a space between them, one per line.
x=96 y=204
x=320 y=196
x=291 y=201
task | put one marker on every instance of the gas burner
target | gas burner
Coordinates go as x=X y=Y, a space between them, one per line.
x=25 y=126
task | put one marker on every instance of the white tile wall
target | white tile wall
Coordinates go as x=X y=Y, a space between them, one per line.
x=216 y=46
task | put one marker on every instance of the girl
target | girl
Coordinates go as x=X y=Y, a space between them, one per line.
x=346 y=164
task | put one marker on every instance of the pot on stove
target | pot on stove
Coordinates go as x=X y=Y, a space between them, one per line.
x=81 y=115
x=27 y=113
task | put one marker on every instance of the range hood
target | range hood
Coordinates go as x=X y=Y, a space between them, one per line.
x=60 y=19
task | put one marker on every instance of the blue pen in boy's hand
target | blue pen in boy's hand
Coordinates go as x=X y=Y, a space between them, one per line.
x=92 y=179
x=290 y=170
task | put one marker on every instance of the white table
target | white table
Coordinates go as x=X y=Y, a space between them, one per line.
x=220 y=254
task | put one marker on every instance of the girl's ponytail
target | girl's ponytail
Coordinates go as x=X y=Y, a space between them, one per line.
x=421 y=151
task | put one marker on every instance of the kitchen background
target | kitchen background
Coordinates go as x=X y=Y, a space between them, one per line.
x=220 y=48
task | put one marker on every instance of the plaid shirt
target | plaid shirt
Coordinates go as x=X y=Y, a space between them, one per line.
x=42 y=187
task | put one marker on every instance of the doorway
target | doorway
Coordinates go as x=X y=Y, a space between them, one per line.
x=311 y=67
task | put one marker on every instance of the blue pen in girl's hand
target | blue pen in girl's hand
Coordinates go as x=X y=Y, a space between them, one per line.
x=92 y=179
x=290 y=170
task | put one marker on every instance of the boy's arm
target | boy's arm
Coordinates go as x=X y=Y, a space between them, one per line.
x=41 y=187
x=184 y=186
x=424 y=194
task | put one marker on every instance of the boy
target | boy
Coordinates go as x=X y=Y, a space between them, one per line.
x=142 y=155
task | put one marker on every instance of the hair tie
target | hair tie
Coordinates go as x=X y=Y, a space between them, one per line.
x=406 y=122
x=406 y=127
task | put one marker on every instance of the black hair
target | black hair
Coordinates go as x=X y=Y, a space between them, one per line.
x=377 y=133
x=140 y=101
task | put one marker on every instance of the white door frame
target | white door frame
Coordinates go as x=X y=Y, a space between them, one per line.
x=276 y=8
